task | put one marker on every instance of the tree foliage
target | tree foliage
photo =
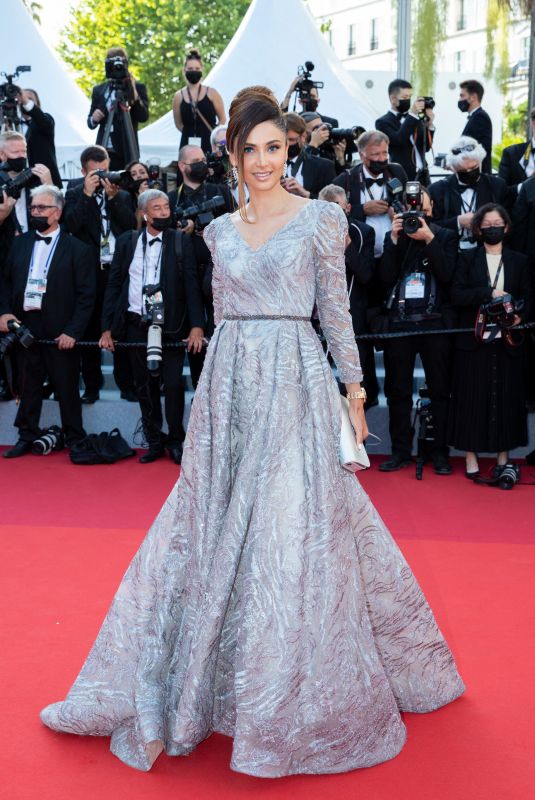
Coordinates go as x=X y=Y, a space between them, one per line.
x=34 y=8
x=156 y=35
x=497 y=50
x=428 y=33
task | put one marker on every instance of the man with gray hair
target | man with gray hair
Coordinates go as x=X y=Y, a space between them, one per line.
x=49 y=286
x=457 y=197
x=155 y=267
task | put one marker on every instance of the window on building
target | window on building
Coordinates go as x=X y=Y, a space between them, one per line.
x=374 y=34
x=352 y=40
x=461 y=15
x=524 y=48
x=459 y=61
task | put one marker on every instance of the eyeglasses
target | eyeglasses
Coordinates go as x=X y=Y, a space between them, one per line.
x=222 y=143
x=40 y=209
x=468 y=148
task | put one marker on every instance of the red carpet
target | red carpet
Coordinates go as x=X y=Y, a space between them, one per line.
x=68 y=534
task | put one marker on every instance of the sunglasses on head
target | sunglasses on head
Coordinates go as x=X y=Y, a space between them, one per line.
x=468 y=148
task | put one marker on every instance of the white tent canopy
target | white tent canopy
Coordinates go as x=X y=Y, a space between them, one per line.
x=59 y=94
x=274 y=37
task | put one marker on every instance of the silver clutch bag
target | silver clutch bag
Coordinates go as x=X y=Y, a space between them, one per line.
x=351 y=458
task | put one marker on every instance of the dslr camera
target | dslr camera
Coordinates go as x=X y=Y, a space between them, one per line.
x=14 y=186
x=305 y=84
x=123 y=179
x=337 y=135
x=9 y=99
x=116 y=69
x=429 y=102
x=17 y=333
x=154 y=315
x=501 y=310
x=201 y=213
x=412 y=219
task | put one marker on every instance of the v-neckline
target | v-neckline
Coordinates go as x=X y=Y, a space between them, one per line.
x=273 y=235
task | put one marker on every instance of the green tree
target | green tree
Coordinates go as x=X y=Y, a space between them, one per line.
x=155 y=33
x=497 y=50
x=34 y=8
x=428 y=33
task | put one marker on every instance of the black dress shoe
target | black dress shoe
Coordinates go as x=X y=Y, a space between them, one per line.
x=394 y=463
x=152 y=454
x=441 y=465
x=5 y=393
x=129 y=395
x=88 y=398
x=471 y=475
x=20 y=449
x=175 y=453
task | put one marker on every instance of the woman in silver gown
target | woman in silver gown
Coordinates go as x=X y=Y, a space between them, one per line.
x=268 y=601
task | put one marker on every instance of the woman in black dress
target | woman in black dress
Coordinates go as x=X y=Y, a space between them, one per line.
x=197 y=109
x=488 y=404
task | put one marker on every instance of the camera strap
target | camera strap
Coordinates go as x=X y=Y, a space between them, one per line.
x=493 y=284
x=196 y=112
x=155 y=266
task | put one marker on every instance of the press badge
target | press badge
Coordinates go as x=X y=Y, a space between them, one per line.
x=106 y=255
x=415 y=286
x=194 y=141
x=33 y=296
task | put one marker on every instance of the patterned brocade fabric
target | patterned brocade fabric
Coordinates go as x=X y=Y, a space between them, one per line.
x=268 y=601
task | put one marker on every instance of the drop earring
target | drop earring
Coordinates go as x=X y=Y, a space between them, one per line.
x=234 y=173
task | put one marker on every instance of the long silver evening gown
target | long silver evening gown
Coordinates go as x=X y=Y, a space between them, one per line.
x=268 y=601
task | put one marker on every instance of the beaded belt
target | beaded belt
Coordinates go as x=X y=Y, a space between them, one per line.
x=265 y=316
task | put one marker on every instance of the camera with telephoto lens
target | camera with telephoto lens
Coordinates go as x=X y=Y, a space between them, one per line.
x=17 y=333
x=218 y=163
x=154 y=315
x=337 y=135
x=14 y=186
x=123 y=179
x=201 y=213
x=305 y=84
x=51 y=439
x=412 y=219
x=10 y=99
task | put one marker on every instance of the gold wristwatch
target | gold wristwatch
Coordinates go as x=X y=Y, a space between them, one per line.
x=360 y=395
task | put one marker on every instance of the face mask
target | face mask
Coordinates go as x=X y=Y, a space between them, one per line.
x=311 y=105
x=135 y=184
x=162 y=223
x=463 y=105
x=198 y=172
x=494 y=234
x=403 y=106
x=16 y=164
x=193 y=75
x=294 y=150
x=376 y=167
x=39 y=223
x=469 y=177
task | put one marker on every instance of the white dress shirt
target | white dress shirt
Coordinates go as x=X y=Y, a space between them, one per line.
x=144 y=270
x=529 y=168
x=381 y=223
x=468 y=203
x=40 y=261
x=21 y=212
x=299 y=174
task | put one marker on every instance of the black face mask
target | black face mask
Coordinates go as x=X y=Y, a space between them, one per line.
x=311 y=105
x=494 y=234
x=294 y=150
x=162 y=223
x=193 y=75
x=198 y=172
x=403 y=106
x=469 y=177
x=16 y=164
x=39 y=223
x=463 y=105
x=376 y=167
x=136 y=184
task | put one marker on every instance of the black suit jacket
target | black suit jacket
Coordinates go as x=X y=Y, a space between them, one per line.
x=399 y=131
x=317 y=172
x=349 y=181
x=510 y=169
x=470 y=289
x=181 y=288
x=81 y=216
x=523 y=217
x=139 y=112
x=70 y=291
x=447 y=202
x=41 y=145
x=359 y=270
x=479 y=127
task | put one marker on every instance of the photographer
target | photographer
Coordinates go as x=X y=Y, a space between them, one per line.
x=48 y=286
x=306 y=175
x=218 y=160
x=194 y=191
x=457 y=197
x=154 y=271
x=417 y=265
x=517 y=163
x=319 y=141
x=39 y=133
x=139 y=174
x=97 y=212
x=129 y=98
x=488 y=404
x=479 y=124
x=410 y=130
x=309 y=100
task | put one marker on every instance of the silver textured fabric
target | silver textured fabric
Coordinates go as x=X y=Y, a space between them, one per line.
x=268 y=601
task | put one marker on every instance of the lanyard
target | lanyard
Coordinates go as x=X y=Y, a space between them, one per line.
x=48 y=260
x=498 y=271
x=145 y=266
x=366 y=189
x=105 y=223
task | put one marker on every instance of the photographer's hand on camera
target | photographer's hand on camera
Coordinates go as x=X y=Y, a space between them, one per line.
x=4 y=319
x=319 y=136
x=43 y=173
x=340 y=152
x=418 y=107
x=91 y=183
x=110 y=188
x=186 y=226
x=423 y=234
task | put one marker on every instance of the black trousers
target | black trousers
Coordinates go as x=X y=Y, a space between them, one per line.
x=148 y=389
x=399 y=359
x=62 y=367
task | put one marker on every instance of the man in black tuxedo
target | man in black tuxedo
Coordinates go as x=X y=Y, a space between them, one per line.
x=306 y=175
x=158 y=257
x=479 y=124
x=97 y=212
x=410 y=130
x=518 y=160
x=39 y=132
x=49 y=286
x=102 y=100
x=457 y=197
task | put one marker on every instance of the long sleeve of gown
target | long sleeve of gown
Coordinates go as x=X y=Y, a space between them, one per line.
x=210 y=235
x=331 y=291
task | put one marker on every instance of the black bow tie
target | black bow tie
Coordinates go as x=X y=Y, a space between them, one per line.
x=153 y=241
x=371 y=181
x=402 y=116
x=45 y=239
x=463 y=188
